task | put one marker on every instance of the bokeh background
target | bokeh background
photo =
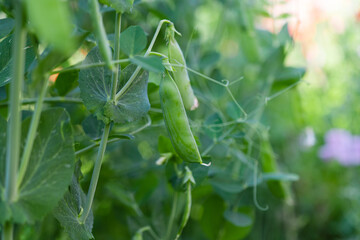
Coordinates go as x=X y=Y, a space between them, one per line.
x=309 y=113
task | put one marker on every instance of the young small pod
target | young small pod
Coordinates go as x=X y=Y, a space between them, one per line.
x=181 y=75
x=269 y=165
x=176 y=121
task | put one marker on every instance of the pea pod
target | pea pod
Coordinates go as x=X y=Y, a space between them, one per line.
x=269 y=165
x=176 y=121
x=181 y=76
x=99 y=32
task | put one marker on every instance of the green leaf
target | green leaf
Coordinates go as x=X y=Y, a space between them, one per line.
x=209 y=59
x=3 y=94
x=121 y=6
x=269 y=166
x=199 y=172
x=124 y=197
x=284 y=35
x=134 y=103
x=92 y=126
x=288 y=76
x=213 y=126
x=68 y=209
x=6 y=60
x=51 y=22
x=151 y=63
x=263 y=13
x=188 y=176
x=238 y=224
x=155 y=79
x=95 y=85
x=49 y=171
x=280 y=176
x=283 y=16
x=66 y=82
x=50 y=58
x=271 y=66
x=238 y=219
x=164 y=145
x=133 y=40
x=6 y=26
x=233 y=111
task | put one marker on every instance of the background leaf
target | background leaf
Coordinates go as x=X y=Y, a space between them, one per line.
x=6 y=26
x=6 y=60
x=51 y=22
x=151 y=63
x=69 y=207
x=119 y=5
x=133 y=40
x=49 y=171
x=66 y=82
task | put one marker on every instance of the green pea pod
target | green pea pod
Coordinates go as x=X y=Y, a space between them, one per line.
x=177 y=122
x=181 y=76
x=269 y=165
x=100 y=33
x=187 y=211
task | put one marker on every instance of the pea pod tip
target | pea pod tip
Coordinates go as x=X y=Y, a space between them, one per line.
x=206 y=164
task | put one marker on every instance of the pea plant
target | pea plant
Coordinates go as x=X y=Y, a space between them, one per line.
x=116 y=138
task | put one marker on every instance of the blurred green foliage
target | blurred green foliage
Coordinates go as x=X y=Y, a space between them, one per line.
x=221 y=40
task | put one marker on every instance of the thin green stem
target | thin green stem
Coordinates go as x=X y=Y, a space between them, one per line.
x=32 y=132
x=150 y=230
x=172 y=215
x=137 y=70
x=95 y=174
x=7 y=233
x=90 y=65
x=14 y=124
x=115 y=75
x=94 y=145
x=187 y=211
x=47 y=100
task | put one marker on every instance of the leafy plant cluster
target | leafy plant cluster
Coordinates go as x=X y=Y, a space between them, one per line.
x=103 y=112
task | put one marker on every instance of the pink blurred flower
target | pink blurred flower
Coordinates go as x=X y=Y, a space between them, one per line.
x=341 y=146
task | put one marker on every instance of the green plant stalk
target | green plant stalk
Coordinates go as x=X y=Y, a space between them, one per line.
x=137 y=70
x=187 y=211
x=95 y=175
x=172 y=215
x=100 y=33
x=105 y=136
x=115 y=75
x=32 y=133
x=14 y=124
